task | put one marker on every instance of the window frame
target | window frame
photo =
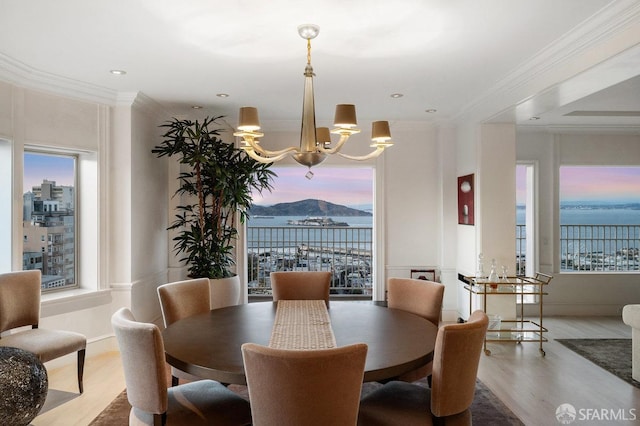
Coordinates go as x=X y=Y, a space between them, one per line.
x=559 y=239
x=75 y=155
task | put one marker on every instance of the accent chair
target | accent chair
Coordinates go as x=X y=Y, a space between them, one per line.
x=20 y=307
x=420 y=297
x=631 y=317
x=203 y=402
x=455 y=368
x=301 y=285
x=179 y=300
x=304 y=387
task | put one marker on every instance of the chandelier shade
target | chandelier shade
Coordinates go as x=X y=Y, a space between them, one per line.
x=315 y=142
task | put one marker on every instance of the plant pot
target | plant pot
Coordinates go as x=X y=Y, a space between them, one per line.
x=225 y=291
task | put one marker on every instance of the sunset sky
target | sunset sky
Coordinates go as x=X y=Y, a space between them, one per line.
x=345 y=186
x=38 y=167
x=354 y=186
x=608 y=184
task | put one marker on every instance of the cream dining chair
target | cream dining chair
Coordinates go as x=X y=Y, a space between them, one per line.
x=304 y=387
x=20 y=307
x=420 y=297
x=203 y=402
x=455 y=368
x=301 y=285
x=179 y=300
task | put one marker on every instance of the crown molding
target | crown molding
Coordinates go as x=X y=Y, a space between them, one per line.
x=611 y=21
x=582 y=129
x=20 y=74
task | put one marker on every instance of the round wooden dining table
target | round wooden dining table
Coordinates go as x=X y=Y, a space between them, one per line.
x=208 y=345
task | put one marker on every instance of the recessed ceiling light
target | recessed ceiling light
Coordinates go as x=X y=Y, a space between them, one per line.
x=430 y=110
x=118 y=72
x=222 y=95
x=396 y=95
x=196 y=107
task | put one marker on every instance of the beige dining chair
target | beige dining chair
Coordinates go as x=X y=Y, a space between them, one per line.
x=301 y=285
x=455 y=368
x=203 y=402
x=179 y=300
x=20 y=307
x=304 y=387
x=420 y=297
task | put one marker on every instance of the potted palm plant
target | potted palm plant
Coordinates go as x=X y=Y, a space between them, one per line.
x=216 y=186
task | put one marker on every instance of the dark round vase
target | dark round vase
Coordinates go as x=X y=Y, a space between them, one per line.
x=23 y=386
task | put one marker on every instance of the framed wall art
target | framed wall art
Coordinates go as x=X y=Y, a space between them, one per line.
x=423 y=274
x=465 y=200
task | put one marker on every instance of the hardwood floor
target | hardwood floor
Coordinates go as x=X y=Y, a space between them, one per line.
x=103 y=381
x=532 y=386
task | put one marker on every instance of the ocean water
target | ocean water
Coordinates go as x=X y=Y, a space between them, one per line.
x=592 y=216
x=572 y=216
x=269 y=232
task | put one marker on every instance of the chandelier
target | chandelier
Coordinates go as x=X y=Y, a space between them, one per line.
x=315 y=143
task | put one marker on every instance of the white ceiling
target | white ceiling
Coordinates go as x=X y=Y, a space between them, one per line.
x=453 y=56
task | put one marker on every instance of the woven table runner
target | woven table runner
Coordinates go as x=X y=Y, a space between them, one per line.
x=302 y=324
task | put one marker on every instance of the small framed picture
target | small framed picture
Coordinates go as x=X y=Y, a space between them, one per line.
x=423 y=274
x=465 y=200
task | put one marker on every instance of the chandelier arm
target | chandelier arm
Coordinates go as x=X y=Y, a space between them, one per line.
x=281 y=153
x=369 y=156
x=344 y=137
x=265 y=160
x=250 y=141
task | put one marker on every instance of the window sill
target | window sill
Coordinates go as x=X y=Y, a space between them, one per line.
x=63 y=302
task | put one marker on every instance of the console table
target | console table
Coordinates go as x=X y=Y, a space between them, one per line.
x=520 y=329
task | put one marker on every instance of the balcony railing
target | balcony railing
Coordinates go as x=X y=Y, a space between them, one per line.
x=346 y=251
x=521 y=250
x=599 y=247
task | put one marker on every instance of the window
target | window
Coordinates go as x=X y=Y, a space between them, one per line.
x=525 y=220
x=599 y=218
x=526 y=250
x=287 y=231
x=49 y=218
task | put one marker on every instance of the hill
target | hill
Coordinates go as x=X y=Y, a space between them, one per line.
x=306 y=208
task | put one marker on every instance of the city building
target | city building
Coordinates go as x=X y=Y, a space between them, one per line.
x=49 y=234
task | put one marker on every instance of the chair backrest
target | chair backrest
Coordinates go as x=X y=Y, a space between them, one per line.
x=301 y=285
x=455 y=364
x=182 y=299
x=142 y=353
x=304 y=387
x=19 y=299
x=420 y=297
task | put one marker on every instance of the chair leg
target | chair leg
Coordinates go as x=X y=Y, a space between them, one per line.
x=81 y=354
x=174 y=381
x=160 y=419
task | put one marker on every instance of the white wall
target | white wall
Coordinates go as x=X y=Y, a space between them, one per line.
x=29 y=117
x=122 y=204
x=576 y=293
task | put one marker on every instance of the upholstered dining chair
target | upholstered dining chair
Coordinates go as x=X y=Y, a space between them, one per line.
x=304 y=387
x=301 y=285
x=420 y=297
x=455 y=368
x=20 y=307
x=179 y=300
x=204 y=402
